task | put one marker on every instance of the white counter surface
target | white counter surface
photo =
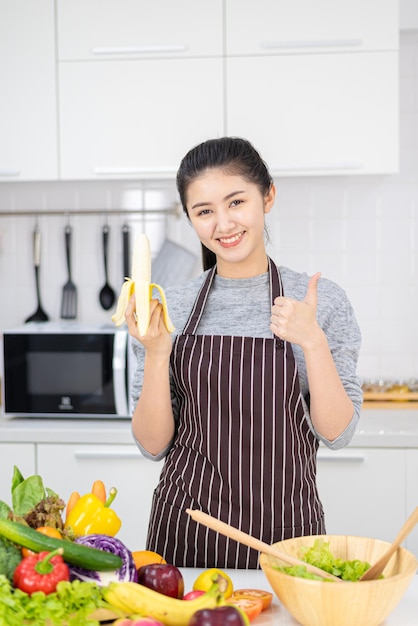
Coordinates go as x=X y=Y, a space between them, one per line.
x=405 y=614
x=377 y=428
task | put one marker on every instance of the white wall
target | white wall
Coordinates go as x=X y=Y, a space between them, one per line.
x=360 y=231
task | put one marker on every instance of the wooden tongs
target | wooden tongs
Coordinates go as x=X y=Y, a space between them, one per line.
x=256 y=544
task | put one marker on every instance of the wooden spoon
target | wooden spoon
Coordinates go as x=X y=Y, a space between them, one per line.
x=252 y=542
x=377 y=568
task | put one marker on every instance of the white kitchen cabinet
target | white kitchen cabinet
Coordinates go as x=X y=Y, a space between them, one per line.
x=28 y=126
x=88 y=29
x=262 y=27
x=317 y=114
x=363 y=491
x=412 y=495
x=20 y=454
x=74 y=467
x=408 y=15
x=136 y=118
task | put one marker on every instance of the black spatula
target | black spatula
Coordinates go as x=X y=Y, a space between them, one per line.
x=39 y=315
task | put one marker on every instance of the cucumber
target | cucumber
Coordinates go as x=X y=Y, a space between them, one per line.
x=73 y=553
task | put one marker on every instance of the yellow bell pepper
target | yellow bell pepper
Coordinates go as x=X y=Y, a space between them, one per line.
x=90 y=516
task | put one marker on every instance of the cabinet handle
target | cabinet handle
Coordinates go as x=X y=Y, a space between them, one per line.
x=108 y=454
x=302 y=167
x=314 y=43
x=13 y=173
x=106 y=171
x=347 y=458
x=138 y=49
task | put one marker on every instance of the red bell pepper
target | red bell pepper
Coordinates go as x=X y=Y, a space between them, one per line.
x=41 y=572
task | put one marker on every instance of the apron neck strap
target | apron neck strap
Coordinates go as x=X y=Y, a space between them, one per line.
x=276 y=289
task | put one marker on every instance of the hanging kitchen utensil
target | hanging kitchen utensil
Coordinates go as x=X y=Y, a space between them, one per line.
x=106 y=296
x=377 y=568
x=252 y=542
x=126 y=252
x=39 y=315
x=69 y=291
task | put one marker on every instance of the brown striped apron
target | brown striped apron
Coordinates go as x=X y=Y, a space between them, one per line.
x=243 y=450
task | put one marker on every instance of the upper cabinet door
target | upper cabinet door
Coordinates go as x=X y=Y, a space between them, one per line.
x=261 y=27
x=317 y=114
x=28 y=126
x=136 y=118
x=114 y=29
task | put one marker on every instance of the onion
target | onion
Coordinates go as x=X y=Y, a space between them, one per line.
x=127 y=571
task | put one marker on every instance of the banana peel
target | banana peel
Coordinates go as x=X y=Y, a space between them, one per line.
x=140 y=285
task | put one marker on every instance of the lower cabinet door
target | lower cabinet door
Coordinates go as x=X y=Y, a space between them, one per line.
x=20 y=454
x=363 y=491
x=412 y=495
x=74 y=467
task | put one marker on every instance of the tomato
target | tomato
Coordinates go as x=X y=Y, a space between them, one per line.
x=45 y=530
x=250 y=606
x=205 y=580
x=249 y=594
x=192 y=595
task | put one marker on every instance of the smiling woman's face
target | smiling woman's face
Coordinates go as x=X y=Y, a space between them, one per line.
x=227 y=213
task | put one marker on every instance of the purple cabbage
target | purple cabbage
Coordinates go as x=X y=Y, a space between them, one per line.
x=127 y=571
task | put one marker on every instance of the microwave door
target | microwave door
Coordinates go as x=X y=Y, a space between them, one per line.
x=120 y=373
x=66 y=374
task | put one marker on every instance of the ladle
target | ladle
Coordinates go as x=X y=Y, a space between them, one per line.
x=377 y=568
x=106 y=296
x=252 y=542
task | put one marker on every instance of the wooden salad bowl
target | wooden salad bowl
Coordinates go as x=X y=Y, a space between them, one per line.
x=324 y=603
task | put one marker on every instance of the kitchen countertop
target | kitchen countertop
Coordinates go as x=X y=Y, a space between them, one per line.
x=378 y=428
x=405 y=614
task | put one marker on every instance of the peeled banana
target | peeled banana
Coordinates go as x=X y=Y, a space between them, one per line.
x=141 y=285
x=132 y=598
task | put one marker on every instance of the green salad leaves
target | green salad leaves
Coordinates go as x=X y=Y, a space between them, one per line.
x=320 y=555
x=71 y=604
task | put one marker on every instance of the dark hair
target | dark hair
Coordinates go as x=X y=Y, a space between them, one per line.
x=235 y=156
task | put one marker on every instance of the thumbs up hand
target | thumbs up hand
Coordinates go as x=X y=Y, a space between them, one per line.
x=295 y=320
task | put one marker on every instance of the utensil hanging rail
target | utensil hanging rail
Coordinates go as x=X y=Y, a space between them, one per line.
x=175 y=210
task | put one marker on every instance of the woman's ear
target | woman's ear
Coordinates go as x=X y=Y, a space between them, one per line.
x=269 y=198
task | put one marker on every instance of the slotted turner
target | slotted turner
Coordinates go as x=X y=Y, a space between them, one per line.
x=69 y=291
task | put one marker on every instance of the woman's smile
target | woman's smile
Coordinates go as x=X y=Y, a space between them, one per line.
x=232 y=240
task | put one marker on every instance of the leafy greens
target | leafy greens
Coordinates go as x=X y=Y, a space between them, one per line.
x=71 y=604
x=320 y=555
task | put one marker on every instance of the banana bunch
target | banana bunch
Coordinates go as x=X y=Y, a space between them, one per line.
x=141 y=285
x=132 y=598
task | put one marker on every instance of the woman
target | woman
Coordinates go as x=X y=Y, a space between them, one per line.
x=261 y=368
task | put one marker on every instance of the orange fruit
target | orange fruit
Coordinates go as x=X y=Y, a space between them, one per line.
x=45 y=530
x=145 y=557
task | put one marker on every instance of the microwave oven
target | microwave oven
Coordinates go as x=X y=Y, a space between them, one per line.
x=51 y=369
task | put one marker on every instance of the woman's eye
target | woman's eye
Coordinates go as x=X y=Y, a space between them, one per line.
x=204 y=212
x=236 y=202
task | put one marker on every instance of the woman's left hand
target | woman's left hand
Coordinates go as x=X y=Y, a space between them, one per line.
x=295 y=320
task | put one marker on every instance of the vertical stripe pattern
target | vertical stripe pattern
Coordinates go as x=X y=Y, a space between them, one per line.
x=243 y=451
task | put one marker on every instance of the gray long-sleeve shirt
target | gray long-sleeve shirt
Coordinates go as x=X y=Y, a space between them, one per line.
x=242 y=307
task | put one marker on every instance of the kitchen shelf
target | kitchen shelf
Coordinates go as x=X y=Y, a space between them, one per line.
x=176 y=210
x=390 y=400
x=391 y=396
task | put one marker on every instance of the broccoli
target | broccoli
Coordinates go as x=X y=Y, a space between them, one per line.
x=10 y=557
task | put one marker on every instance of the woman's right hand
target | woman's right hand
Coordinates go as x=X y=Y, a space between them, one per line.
x=157 y=339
